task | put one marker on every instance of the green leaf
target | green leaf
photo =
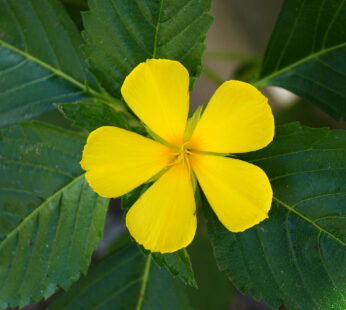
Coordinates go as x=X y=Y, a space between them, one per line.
x=193 y=121
x=178 y=263
x=50 y=219
x=247 y=71
x=121 y=34
x=74 y=9
x=40 y=60
x=307 y=51
x=125 y=280
x=296 y=257
x=91 y=114
x=214 y=289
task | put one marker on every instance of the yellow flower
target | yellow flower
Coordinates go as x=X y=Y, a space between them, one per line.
x=237 y=119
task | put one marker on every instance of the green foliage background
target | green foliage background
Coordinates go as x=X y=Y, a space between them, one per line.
x=51 y=220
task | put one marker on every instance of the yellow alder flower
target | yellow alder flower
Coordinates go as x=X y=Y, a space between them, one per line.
x=237 y=119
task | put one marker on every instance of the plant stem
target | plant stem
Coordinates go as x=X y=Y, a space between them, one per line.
x=230 y=56
x=211 y=75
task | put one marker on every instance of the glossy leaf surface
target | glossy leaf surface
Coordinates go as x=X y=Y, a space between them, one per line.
x=297 y=257
x=307 y=51
x=40 y=60
x=122 y=34
x=125 y=280
x=92 y=114
x=50 y=219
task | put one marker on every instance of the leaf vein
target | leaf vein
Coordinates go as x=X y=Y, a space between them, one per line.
x=73 y=233
x=38 y=166
x=156 y=34
x=131 y=31
x=337 y=12
x=319 y=228
x=330 y=217
x=24 y=85
x=40 y=101
x=9 y=214
x=304 y=172
x=30 y=250
x=262 y=82
x=319 y=84
x=324 y=265
x=144 y=13
x=14 y=67
x=292 y=153
x=317 y=24
x=57 y=62
x=22 y=190
x=145 y=279
x=70 y=79
x=17 y=23
x=244 y=261
x=330 y=67
x=290 y=35
x=259 y=237
x=100 y=276
x=43 y=144
x=178 y=34
x=38 y=209
x=294 y=256
x=317 y=197
x=117 y=292
x=116 y=43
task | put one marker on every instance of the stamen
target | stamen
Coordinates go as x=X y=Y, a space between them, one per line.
x=182 y=156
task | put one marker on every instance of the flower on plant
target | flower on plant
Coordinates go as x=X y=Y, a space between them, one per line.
x=237 y=119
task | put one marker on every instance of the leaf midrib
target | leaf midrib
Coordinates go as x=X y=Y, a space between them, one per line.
x=266 y=80
x=144 y=284
x=157 y=27
x=292 y=208
x=105 y=98
x=52 y=69
x=39 y=208
x=319 y=228
x=104 y=274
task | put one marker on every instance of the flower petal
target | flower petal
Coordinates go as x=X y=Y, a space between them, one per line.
x=163 y=219
x=237 y=119
x=239 y=193
x=117 y=160
x=157 y=91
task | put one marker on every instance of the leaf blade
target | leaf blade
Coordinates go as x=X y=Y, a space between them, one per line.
x=50 y=218
x=285 y=258
x=120 y=35
x=40 y=36
x=309 y=64
x=92 y=114
x=139 y=285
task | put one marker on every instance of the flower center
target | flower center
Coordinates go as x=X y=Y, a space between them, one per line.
x=182 y=155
